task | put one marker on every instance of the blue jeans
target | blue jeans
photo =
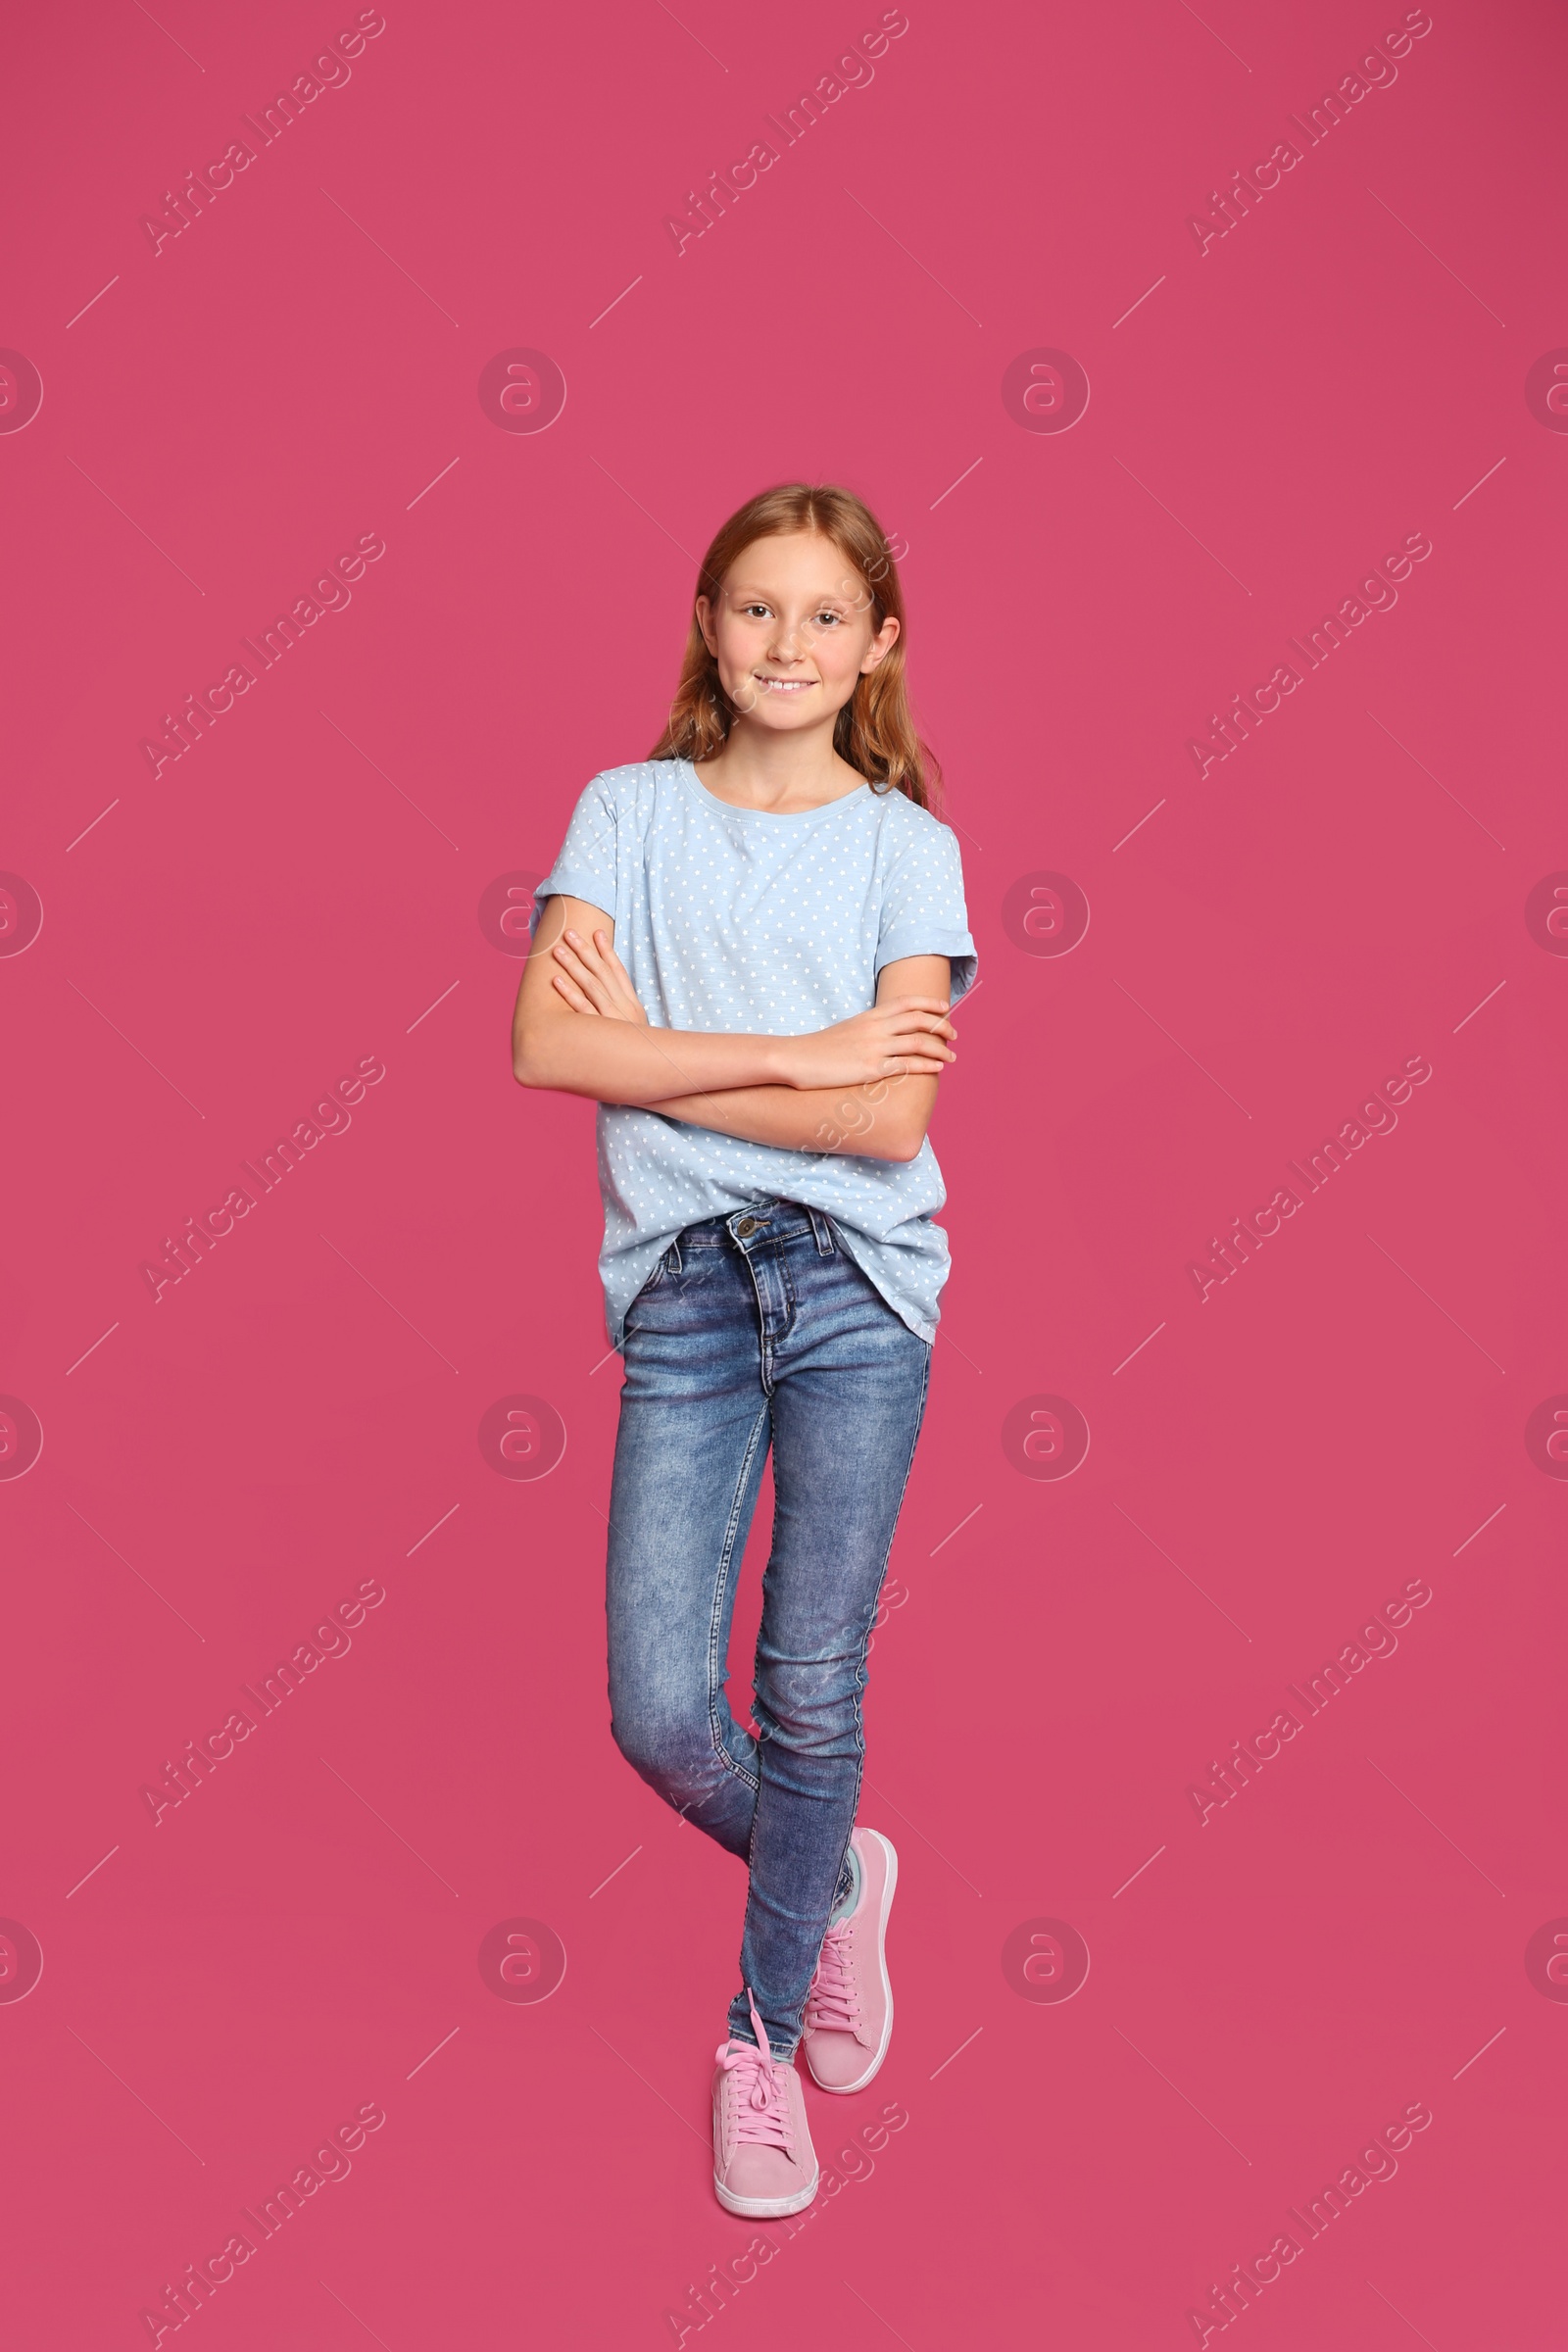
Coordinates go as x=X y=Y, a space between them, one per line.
x=754 y=1330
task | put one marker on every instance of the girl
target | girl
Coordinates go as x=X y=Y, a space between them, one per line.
x=744 y=952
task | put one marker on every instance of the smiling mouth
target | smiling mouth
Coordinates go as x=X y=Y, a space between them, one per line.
x=783 y=685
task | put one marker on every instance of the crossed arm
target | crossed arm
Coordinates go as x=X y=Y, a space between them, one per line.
x=867 y=1086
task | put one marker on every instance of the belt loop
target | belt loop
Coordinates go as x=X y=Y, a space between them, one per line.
x=823 y=1232
x=673 y=1255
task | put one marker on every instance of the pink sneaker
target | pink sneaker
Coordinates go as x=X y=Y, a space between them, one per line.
x=763 y=2162
x=849 y=2009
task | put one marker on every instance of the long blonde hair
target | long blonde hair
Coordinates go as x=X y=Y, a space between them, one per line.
x=875 y=731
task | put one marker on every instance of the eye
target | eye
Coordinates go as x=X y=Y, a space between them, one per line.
x=757 y=612
x=834 y=617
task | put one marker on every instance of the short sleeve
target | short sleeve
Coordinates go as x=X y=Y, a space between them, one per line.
x=924 y=912
x=587 y=863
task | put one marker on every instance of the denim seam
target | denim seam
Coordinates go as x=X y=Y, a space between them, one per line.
x=767 y=1344
x=720 y=1584
x=859 y=1671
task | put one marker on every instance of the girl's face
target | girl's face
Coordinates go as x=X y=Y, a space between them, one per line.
x=792 y=630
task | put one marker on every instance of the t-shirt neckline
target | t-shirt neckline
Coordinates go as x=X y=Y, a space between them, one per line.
x=771 y=816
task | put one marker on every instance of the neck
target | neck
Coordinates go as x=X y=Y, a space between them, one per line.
x=759 y=768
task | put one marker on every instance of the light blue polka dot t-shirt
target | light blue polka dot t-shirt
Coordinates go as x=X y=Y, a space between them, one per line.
x=729 y=918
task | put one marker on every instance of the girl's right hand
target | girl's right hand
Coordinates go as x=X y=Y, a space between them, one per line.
x=909 y=1037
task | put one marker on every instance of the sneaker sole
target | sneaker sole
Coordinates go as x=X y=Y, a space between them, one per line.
x=889 y=1883
x=766 y=2209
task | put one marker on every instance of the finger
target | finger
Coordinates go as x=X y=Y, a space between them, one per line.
x=587 y=949
x=588 y=953
x=925 y=1030
x=919 y=1042
x=572 y=993
x=584 y=976
x=913 y=1016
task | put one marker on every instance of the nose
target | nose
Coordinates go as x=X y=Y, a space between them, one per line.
x=784 y=645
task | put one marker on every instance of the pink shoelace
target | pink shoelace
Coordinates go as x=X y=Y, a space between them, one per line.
x=762 y=2093
x=833 y=2002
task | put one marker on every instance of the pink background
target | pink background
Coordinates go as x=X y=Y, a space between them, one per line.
x=222 y=418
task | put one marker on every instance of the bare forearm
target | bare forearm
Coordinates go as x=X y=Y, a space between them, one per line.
x=628 y=1062
x=884 y=1121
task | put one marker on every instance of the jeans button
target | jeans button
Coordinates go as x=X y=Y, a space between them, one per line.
x=746 y=1228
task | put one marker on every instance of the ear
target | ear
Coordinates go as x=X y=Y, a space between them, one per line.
x=881 y=646
x=704 y=621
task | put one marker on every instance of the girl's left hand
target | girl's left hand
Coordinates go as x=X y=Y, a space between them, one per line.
x=593 y=979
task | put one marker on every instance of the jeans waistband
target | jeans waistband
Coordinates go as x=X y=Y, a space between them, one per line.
x=760 y=1221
